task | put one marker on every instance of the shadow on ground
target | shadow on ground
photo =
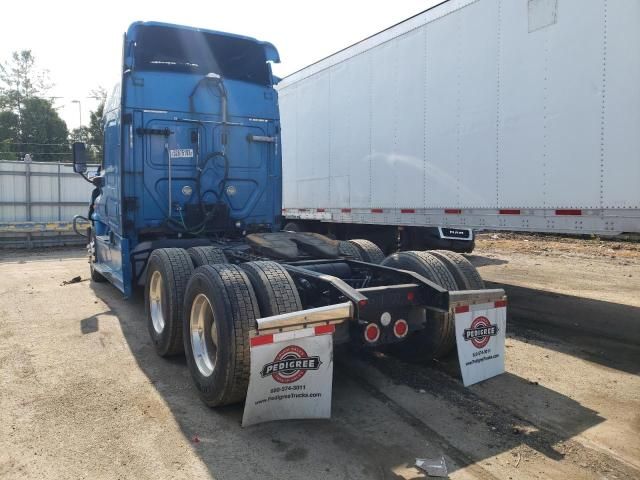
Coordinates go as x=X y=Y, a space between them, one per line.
x=601 y=332
x=358 y=429
x=271 y=450
x=520 y=413
x=482 y=261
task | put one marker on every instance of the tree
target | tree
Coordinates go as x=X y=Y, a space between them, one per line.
x=93 y=134
x=45 y=134
x=28 y=122
x=8 y=125
x=96 y=132
x=37 y=130
x=20 y=79
x=8 y=133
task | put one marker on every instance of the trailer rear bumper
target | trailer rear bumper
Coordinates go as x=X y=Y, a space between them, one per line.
x=463 y=298
x=342 y=312
x=329 y=315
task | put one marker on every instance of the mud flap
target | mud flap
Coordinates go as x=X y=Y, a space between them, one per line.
x=291 y=376
x=480 y=335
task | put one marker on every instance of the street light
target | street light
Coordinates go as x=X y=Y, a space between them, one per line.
x=79 y=110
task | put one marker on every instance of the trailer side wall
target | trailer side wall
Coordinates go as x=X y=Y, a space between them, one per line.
x=485 y=113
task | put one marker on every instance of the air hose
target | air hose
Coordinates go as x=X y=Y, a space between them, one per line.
x=181 y=226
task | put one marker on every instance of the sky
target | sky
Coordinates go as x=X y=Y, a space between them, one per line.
x=80 y=42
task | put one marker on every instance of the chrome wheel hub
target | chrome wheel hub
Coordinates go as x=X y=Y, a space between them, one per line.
x=204 y=335
x=155 y=302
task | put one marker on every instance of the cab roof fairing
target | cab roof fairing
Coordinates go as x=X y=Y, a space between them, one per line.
x=271 y=52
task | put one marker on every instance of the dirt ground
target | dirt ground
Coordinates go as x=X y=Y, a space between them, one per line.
x=83 y=395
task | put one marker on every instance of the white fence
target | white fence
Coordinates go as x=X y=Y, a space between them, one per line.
x=38 y=200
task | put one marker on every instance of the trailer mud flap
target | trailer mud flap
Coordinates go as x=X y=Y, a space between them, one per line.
x=291 y=376
x=480 y=336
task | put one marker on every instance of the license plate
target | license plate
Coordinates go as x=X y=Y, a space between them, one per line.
x=181 y=153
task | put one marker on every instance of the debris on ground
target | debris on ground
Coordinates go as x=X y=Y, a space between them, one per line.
x=77 y=279
x=434 y=467
x=518 y=460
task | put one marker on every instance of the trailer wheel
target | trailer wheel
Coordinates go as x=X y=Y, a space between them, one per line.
x=348 y=249
x=206 y=256
x=438 y=337
x=470 y=246
x=369 y=251
x=466 y=275
x=168 y=271
x=93 y=255
x=292 y=227
x=274 y=287
x=220 y=309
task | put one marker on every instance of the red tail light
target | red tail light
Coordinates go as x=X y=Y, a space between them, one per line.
x=372 y=333
x=400 y=328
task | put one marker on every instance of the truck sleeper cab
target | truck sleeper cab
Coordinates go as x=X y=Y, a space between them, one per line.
x=188 y=206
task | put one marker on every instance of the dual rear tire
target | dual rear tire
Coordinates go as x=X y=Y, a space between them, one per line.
x=220 y=309
x=449 y=270
x=206 y=256
x=208 y=313
x=465 y=274
x=168 y=272
x=362 y=250
x=221 y=306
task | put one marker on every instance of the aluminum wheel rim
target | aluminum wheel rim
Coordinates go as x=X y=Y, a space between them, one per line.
x=155 y=302
x=204 y=335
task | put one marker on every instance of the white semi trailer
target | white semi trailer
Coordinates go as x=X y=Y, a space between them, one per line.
x=475 y=114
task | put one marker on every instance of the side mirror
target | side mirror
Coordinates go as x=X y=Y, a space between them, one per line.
x=79 y=157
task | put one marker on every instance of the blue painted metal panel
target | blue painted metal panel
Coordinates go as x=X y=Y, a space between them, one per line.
x=170 y=143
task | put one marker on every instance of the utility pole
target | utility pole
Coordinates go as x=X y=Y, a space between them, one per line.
x=79 y=110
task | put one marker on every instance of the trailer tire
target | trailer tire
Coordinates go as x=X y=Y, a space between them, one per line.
x=206 y=256
x=348 y=249
x=369 y=251
x=168 y=272
x=466 y=275
x=274 y=287
x=292 y=227
x=437 y=339
x=219 y=296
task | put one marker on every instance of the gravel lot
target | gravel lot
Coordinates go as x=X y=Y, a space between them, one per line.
x=83 y=395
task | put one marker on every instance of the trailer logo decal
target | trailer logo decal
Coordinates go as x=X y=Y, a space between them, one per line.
x=290 y=365
x=480 y=332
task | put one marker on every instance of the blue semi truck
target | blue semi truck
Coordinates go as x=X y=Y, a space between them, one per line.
x=187 y=205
